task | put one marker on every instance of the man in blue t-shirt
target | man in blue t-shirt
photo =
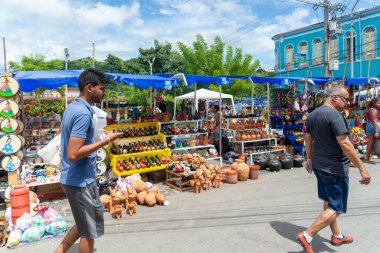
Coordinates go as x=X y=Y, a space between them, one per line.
x=78 y=162
x=329 y=152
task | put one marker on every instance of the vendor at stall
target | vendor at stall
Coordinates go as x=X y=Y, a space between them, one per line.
x=161 y=112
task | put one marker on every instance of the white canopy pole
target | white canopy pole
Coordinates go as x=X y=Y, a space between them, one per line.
x=268 y=92
x=174 y=114
x=195 y=108
x=220 y=125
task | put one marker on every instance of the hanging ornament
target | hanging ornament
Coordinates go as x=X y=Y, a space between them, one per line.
x=8 y=86
x=10 y=163
x=9 y=125
x=8 y=109
x=10 y=144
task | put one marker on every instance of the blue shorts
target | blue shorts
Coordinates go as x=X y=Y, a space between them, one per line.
x=370 y=129
x=333 y=189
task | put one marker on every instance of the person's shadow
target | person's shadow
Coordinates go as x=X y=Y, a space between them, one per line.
x=289 y=231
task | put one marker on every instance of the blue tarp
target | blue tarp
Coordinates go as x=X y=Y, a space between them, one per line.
x=52 y=79
x=146 y=81
x=192 y=79
x=30 y=80
x=362 y=80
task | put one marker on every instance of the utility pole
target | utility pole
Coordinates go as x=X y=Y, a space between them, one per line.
x=93 y=54
x=352 y=39
x=66 y=60
x=328 y=8
x=326 y=37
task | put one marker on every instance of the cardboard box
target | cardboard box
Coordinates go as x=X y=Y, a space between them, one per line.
x=49 y=191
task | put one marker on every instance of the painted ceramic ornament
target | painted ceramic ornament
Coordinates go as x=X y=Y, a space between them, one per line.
x=8 y=86
x=101 y=155
x=10 y=144
x=101 y=168
x=8 y=109
x=9 y=125
x=10 y=163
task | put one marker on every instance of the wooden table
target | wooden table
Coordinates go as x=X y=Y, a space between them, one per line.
x=172 y=177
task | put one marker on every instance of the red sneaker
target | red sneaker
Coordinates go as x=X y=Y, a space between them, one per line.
x=302 y=240
x=346 y=239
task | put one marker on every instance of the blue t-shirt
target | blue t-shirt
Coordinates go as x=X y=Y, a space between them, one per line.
x=77 y=122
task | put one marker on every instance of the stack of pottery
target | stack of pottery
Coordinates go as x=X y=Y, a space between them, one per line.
x=274 y=165
x=262 y=161
x=225 y=169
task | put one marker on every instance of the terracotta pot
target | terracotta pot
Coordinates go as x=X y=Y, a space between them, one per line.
x=231 y=177
x=242 y=170
x=254 y=172
x=225 y=169
x=238 y=136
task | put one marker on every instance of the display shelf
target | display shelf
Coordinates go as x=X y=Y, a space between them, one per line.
x=257 y=140
x=182 y=135
x=195 y=147
x=242 y=143
x=242 y=130
x=265 y=152
x=213 y=158
x=181 y=121
x=130 y=172
x=229 y=118
x=40 y=184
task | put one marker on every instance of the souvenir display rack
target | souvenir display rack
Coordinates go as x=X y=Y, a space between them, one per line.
x=186 y=135
x=138 y=162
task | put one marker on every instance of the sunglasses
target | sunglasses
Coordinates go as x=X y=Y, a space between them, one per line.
x=346 y=99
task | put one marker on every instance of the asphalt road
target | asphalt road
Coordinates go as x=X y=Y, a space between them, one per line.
x=251 y=216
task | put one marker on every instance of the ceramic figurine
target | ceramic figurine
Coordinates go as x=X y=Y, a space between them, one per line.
x=117 y=211
x=106 y=201
x=217 y=177
x=207 y=176
x=131 y=205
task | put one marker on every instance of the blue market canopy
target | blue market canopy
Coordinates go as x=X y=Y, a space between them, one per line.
x=51 y=79
x=190 y=79
x=146 y=81
x=362 y=80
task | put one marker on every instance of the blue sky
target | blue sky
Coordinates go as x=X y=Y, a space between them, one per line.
x=121 y=27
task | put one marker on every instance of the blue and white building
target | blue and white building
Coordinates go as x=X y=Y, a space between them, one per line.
x=301 y=52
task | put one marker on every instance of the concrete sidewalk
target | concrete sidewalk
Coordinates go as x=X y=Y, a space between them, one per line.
x=251 y=216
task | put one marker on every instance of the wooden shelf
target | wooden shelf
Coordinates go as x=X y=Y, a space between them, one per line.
x=178 y=180
x=181 y=121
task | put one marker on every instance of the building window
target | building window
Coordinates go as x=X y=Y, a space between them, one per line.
x=302 y=49
x=334 y=48
x=347 y=57
x=317 y=50
x=369 y=43
x=289 y=52
x=276 y=60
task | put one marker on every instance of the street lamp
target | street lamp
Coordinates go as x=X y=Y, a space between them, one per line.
x=66 y=59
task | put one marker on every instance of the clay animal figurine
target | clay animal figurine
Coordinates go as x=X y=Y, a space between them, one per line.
x=117 y=212
x=207 y=176
x=198 y=181
x=131 y=205
x=217 y=177
x=106 y=201
x=3 y=236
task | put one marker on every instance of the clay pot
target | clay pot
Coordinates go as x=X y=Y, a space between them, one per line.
x=225 y=169
x=160 y=198
x=274 y=165
x=262 y=162
x=298 y=161
x=193 y=143
x=242 y=170
x=141 y=197
x=205 y=140
x=140 y=186
x=150 y=199
x=238 y=136
x=231 y=177
x=254 y=172
x=287 y=163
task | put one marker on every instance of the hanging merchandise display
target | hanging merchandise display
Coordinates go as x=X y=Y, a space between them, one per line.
x=11 y=163
x=9 y=125
x=8 y=86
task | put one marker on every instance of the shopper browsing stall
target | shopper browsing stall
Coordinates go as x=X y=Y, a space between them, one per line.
x=78 y=162
x=373 y=125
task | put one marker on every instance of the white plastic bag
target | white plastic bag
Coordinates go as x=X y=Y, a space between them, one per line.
x=51 y=153
x=99 y=121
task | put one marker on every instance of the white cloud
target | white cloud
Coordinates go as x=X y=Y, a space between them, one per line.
x=47 y=27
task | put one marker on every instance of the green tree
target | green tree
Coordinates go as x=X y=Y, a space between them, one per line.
x=36 y=62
